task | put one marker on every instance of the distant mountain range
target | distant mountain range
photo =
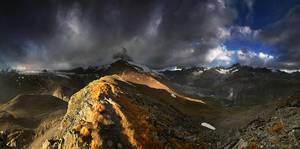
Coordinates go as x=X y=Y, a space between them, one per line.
x=236 y=84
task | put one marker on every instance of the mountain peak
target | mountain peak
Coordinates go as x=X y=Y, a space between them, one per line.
x=236 y=65
x=125 y=65
x=121 y=62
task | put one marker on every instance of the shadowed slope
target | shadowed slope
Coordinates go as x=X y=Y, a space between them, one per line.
x=22 y=116
x=36 y=106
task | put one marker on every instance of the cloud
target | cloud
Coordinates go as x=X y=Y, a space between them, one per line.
x=265 y=57
x=54 y=34
x=222 y=56
x=248 y=57
x=249 y=3
x=63 y=34
x=243 y=32
x=219 y=55
x=284 y=37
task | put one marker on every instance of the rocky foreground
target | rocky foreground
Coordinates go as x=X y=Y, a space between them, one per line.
x=280 y=129
x=134 y=107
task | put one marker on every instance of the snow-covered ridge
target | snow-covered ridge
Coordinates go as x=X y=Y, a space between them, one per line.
x=29 y=72
x=54 y=73
x=173 y=68
x=290 y=71
x=201 y=70
x=226 y=71
x=144 y=68
x=197 y=73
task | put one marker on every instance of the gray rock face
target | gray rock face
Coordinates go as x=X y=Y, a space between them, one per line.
x=3 y=139
x=281 y=130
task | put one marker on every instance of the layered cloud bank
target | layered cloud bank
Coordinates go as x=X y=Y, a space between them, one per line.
x=55 y=35
x=222 y=56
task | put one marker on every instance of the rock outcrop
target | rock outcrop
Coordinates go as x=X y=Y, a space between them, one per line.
x=280 y=130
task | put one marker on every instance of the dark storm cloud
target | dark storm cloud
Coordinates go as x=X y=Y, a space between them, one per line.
x=284 y=37
x=19 y=21
x=187 y=31
x=55 y=34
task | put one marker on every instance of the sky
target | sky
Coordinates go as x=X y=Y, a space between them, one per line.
x=53 y=34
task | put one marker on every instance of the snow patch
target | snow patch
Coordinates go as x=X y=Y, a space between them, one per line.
x=174 y=68
x=197 y=73
x=145 y=68
x=226 y=71
x=289 y=71
x=30 y=72
x=230 y=96
x=234 y=71
x=209 y=126
x=173 y=95
x=63 y=75
x=222 y=71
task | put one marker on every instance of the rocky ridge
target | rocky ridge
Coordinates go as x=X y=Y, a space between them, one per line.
x=105 y=114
